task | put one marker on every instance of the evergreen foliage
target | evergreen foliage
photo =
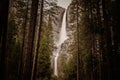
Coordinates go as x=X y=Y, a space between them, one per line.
x=44 y=70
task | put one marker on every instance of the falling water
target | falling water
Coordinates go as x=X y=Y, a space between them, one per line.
x=63 y=37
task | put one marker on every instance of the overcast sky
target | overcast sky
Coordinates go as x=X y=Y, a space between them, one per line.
x=64 y=3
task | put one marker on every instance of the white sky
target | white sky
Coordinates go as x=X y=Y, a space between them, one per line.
x=64 y=3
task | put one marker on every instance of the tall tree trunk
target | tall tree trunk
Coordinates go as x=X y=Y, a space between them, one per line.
x=99 y=40
x=93 y=35
x=20 y=67
x=115 y=65
x=30 y=44
x=108 y=41
x=34 y=67
x=78 y=50
x=92 y=39
x=4 y=4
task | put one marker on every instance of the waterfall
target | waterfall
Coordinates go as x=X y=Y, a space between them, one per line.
x=63 y=37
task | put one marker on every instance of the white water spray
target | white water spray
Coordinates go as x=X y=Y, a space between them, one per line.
x=63 y=37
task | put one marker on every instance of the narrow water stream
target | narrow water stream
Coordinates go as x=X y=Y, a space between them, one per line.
x=63 y=37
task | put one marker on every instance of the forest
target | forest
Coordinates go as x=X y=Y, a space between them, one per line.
x=59 y=39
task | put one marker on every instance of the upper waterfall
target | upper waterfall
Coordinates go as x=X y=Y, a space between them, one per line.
x=63 y=34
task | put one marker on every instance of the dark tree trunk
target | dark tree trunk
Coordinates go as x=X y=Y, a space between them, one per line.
x=108 y=42
x=4 y=4
x=78 y=46
x=34 y=67
x=115 y=65
x=94 y=32
x=99 y=39
x=30 y=44
x=20 y=67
